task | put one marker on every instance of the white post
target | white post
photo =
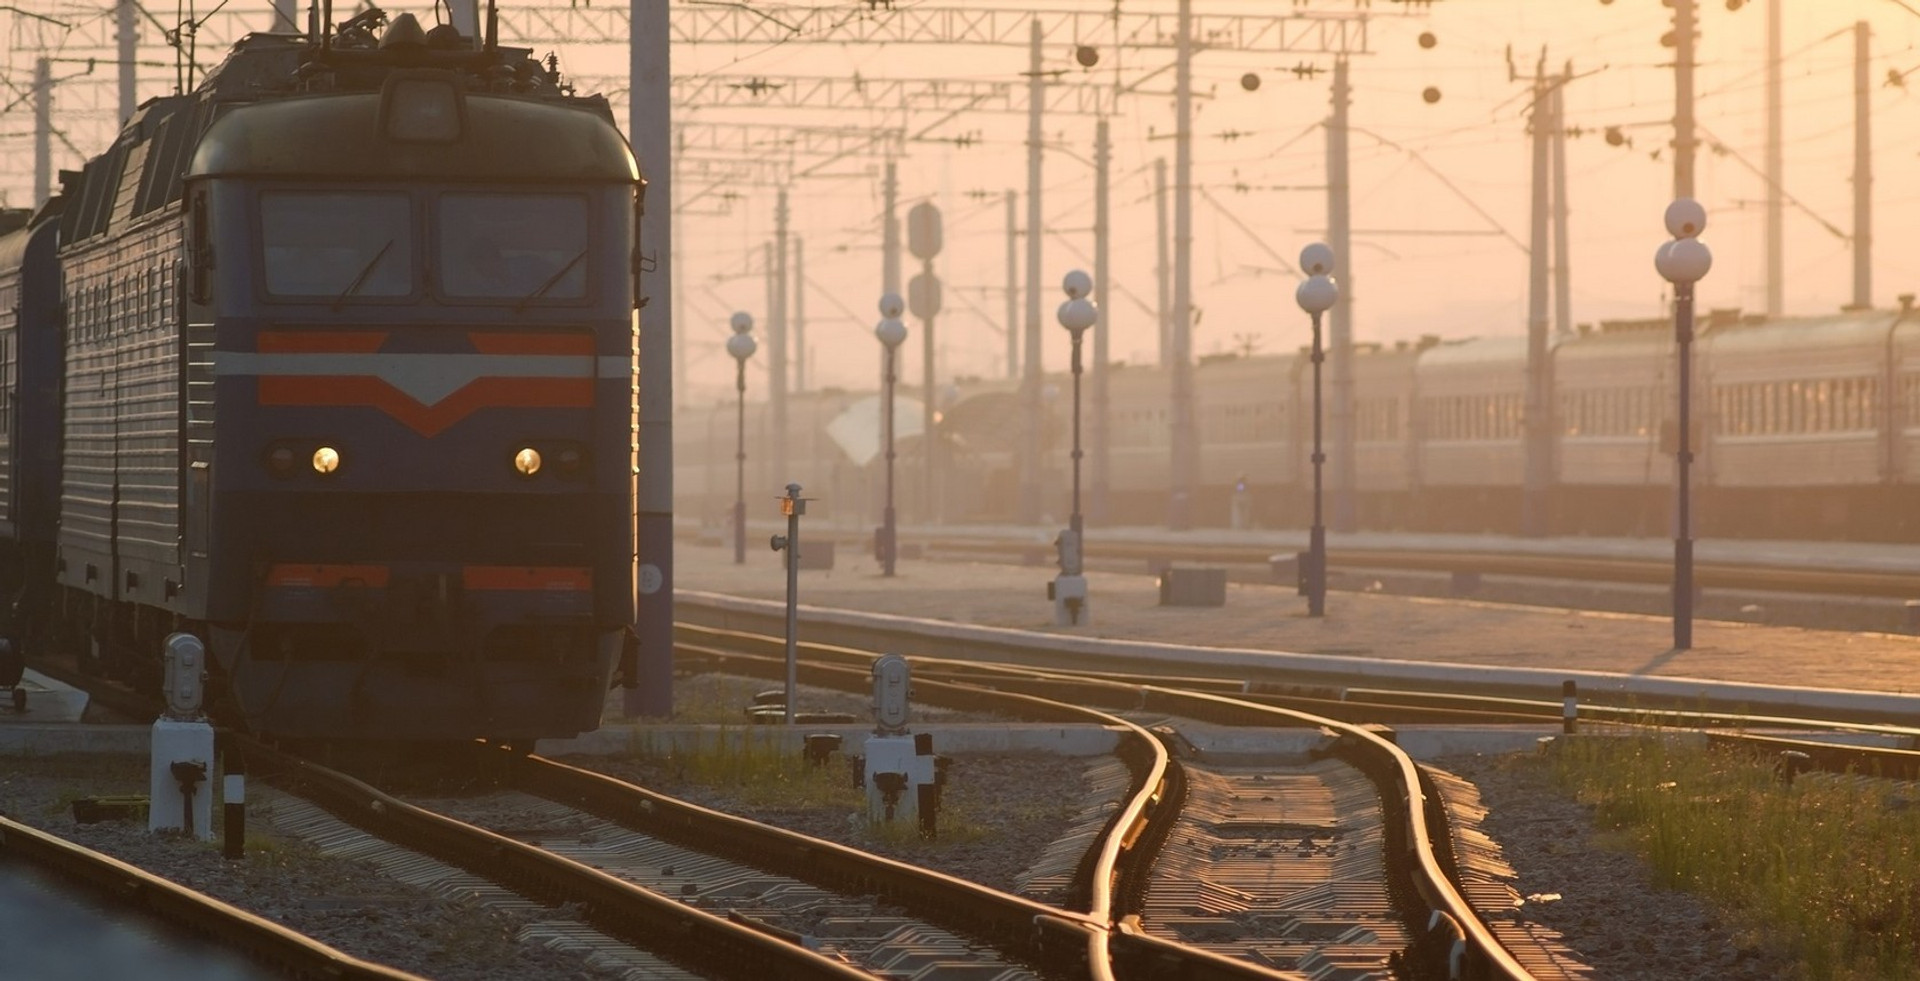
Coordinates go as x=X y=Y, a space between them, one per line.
x=180 y=775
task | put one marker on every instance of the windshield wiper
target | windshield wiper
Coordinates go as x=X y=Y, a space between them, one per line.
x=361 y=279
x=551 y=281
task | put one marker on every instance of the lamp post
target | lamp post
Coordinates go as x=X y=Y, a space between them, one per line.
x=1070 y=587
x=1316 y=295
x=1682 y=262
x=741 y=346
x=891 y=332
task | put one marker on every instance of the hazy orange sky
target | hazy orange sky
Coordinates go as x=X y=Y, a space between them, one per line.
x=1408 y=285
x=1405 y=154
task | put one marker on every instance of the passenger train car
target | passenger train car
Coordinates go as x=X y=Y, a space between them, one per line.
x=1803 y=428
x=339 y=378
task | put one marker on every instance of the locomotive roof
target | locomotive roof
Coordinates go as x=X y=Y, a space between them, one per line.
x=282 y=104
x=507 y=138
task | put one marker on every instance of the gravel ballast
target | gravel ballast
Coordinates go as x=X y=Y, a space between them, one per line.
x=1601 y=899
x=344 y=904
x=1607 y=909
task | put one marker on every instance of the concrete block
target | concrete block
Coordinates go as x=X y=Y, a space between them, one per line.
x=1193 y=587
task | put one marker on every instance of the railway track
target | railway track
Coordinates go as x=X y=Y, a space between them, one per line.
x=1256 y=562
x=1438 y=933
x=138 y=893
x=1213 y=864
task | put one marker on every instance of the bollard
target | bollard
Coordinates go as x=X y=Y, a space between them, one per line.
x=1569 y=707
x=820 y=746
x=1791 y=764
x=235 y=795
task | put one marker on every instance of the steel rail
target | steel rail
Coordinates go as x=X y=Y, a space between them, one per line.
x=1011 y=923
x=1100 y=869
x=969 y=907
x=1454 y=940
x=1287 y=675
x=639 y=916
x=125 y=885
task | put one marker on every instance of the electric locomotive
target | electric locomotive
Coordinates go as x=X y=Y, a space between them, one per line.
x=30 y=298
x=349 y=388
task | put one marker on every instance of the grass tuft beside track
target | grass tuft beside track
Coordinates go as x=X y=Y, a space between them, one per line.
x=1826 y=866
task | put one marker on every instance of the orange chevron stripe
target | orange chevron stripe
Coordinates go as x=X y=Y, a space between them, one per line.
x=505 y=577
x=531 y=343
x=321 y=341
x=428 y=420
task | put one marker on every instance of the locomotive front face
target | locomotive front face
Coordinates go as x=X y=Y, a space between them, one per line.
x=416 y=467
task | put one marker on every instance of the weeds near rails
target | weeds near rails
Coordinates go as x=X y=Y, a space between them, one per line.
x=757 y=768
x=1828 y=866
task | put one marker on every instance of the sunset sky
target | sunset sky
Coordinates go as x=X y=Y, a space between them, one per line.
x=1456 y=170
x=1415 y=167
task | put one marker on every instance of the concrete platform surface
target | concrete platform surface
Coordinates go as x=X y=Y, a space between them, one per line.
x=47 y=701
x=1361 y=625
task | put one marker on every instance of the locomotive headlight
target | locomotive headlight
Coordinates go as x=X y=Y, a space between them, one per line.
x=422 y=107
x=527 y=461
x=570 y=460
x=280 y=461
x=326 y=460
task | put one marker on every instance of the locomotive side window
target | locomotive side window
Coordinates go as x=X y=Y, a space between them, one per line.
x=522 y=247
x=337 y=244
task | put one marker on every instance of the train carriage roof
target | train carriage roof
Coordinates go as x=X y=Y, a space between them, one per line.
x=1849 y=343
x=332 y=136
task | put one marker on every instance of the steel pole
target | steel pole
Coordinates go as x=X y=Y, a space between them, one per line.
x=1533 y=493
x=42 y=131
x=1034 y=418
x=929 y=445
x=1862 y=169
x=129 y=38
x=740 y=467
x=887 y=552
x=650 y=126
x=1013 y=285
x=1683 y=459
x=1683 y=141
x=1076 y=523
x=1184 y=451
x=1317 y=537
x=1102 y=339
x=779 y=368
x=793 y=595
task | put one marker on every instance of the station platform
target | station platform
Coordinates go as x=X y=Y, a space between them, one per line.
x=47 y=701
x=1357 y=624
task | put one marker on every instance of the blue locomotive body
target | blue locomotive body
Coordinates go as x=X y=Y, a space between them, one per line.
x=30 y=351
x=349 y=388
